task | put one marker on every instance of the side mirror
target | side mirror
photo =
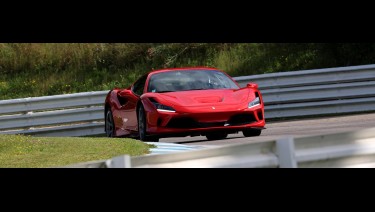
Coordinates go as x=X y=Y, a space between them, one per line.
x=124 y=93
x=252 y=85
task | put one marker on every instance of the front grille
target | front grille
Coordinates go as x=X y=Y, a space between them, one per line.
x=191 y=123
x=241 y=119
x=184 y=123
x=211 y=124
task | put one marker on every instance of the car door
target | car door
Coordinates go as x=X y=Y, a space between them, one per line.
x=129 y=110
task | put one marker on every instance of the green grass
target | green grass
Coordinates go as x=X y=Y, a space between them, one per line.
x=18 y=151
x=40 y=69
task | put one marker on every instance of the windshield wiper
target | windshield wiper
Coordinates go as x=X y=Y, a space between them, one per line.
x=186 y=90
x=195 y=89
x=164 y=91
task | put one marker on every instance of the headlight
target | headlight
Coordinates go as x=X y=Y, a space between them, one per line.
x=164 y=108
x=254 y=103
x=161 y=107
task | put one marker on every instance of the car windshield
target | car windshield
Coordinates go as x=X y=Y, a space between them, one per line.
x=189 y=80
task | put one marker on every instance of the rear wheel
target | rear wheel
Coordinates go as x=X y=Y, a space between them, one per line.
x=251 y=132
x=109 y=124
x=216 y=136
x=142 y=126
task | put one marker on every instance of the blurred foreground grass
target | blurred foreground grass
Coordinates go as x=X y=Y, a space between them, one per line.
x=17 y=151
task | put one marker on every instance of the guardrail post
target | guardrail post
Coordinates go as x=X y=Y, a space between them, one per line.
x=286 y=153
x=122 y=161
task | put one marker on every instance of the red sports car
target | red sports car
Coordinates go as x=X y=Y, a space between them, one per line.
x=184 y=102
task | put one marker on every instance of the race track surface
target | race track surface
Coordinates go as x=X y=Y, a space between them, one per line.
x=296 y=128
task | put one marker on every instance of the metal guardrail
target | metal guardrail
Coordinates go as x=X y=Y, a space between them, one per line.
x=341 y=150
x=312 y=77
x=286 y=95
x=60 y=115
x=84 y=99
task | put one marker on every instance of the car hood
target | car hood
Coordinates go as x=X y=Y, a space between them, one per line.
x=203 y=97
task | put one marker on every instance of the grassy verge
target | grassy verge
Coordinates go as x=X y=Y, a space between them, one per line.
x=18 y=151
x=40 y=69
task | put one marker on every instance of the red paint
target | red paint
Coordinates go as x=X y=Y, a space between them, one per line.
x=203 y=110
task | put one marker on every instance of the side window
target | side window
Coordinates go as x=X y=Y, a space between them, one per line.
x=139 y=86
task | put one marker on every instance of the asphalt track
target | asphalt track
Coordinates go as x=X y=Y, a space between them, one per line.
x=296 y=128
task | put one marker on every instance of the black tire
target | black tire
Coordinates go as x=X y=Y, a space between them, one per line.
x=109 y=124
x=216 y=136
x=142 y=127
x=251 y=132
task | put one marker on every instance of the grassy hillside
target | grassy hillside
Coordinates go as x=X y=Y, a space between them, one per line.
x=38 y=69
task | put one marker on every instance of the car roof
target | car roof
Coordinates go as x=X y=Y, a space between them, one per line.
x=184 y=69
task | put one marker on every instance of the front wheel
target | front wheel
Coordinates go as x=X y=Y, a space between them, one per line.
x=251 y=132
x=142 y=126
x=109 y=124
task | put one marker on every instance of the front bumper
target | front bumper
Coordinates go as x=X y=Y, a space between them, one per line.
x=200 y=120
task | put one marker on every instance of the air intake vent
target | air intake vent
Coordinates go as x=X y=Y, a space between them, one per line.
x=242 y=119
